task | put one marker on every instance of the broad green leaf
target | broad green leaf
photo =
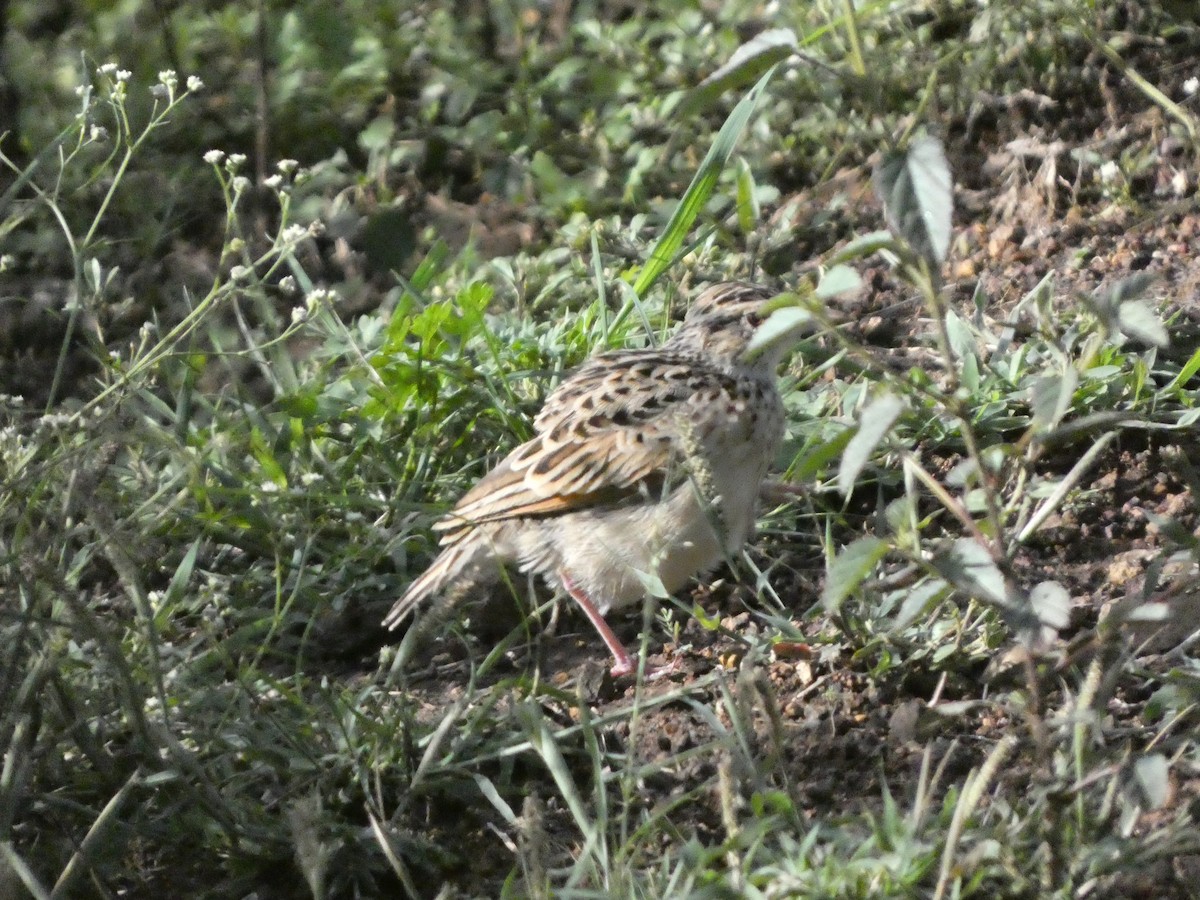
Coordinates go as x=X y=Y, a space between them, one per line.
x=838 y=280
x=865 y=245
x=781 y=325
x=1051 y=604
x=1050 y=397
x=850 y=568
x=969 y=567
x=1153 y=774
x=873 y=425
x=1138 y=320
x=915 y=187
x=748 y=62
x=815 y=461
x=919 y=599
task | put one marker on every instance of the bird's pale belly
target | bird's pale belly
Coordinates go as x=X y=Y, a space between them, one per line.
x=609 y=553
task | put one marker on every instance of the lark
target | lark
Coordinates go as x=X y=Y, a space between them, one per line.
x=645 y=470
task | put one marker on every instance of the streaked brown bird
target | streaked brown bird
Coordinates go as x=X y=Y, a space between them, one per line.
x=646 y=465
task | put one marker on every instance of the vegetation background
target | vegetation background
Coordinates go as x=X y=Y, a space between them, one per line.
x=279 y=280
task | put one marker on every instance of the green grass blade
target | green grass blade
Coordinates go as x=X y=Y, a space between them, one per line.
x=702 y=185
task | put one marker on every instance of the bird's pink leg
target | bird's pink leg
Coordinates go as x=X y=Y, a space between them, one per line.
x=624 y=662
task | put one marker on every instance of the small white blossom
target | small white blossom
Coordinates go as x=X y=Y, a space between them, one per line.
x=309 y=478
x=98 y=133
x=239 y=273
x=287 y=166
x=107 y=69
x=287 y=283
x=235 y=161
x=269 y=487
x=1191 y=85
x=274 y=182
x=240 y=184
x=6 y=261
x=160 y=92
x=299 y=315
x=317 y=298
x=123 y=75
x=1110 y=172
x=194 y=83
x=167 y=77
x=214 y=157
x=294 y=233
x=81 y=90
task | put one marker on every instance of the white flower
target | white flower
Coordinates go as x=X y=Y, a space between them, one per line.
x=269 y=487
x=167 y=77
x=1110 y=172
x=240 y=184
x=123 y=75
x=309 y=478
x=287 y=283
x=107 y=69
x=239 y=273
x=98 y=133
x=299 y=314
x=235 y=160
x=1191 y=85
x=274 y=182
x=214 y=157
x=294 y=233
x=160 y=91
x=6 y=261
x=194 y=83
x=317 y=297
x=287 y=166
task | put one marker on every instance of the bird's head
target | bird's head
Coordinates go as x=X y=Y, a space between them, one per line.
x=722 y=322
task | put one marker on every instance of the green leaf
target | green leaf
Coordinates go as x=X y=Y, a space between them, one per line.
x=748 y=211
x=915 y=188
x=1138 y=320
x=850 y=568
x=781 y=325
x=1153 y=774
x=838 y=280
x=969 y=567
x=702 y=186
x=1051 y=604
x=919 y=599
x=1190 y=368
x=865 y=245
x=1050 y=397
x=873 y=425
x=814 y=462
x=748 y=62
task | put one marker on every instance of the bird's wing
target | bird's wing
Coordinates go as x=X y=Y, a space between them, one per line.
x=615 y=429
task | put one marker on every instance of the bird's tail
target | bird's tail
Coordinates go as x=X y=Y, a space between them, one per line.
x=465 y=560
